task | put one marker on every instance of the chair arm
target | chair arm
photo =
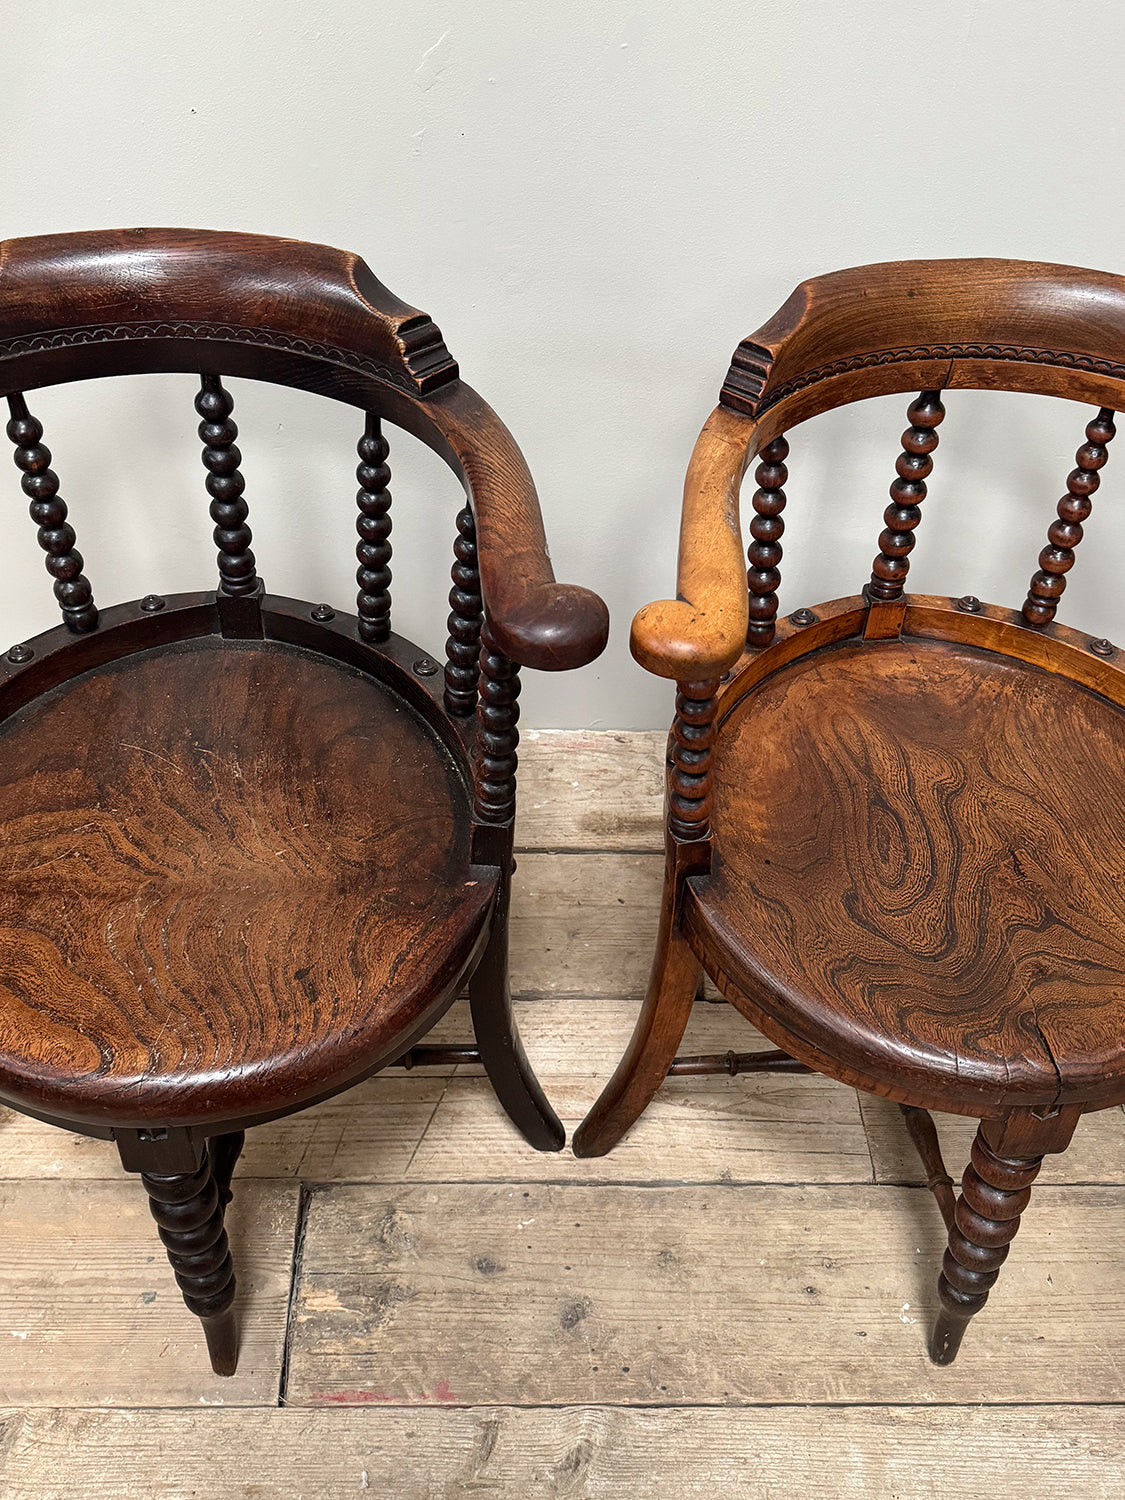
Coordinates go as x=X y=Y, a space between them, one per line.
x=534 y=620
x=702 y=632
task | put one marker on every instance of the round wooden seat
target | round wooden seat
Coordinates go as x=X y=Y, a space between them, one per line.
x=234 y=875
x=918 y=877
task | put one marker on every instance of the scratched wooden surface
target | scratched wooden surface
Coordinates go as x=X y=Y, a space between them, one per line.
x=732 y=1303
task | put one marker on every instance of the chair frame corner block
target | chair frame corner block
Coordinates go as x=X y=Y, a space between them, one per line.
x=912 y=326
x=210 y=304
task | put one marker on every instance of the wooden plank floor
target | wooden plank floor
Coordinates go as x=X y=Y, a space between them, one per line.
x=734 y=1303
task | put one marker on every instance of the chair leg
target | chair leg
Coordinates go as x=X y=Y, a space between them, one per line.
x=923 y=1132
x=672 y=987
x=995 y=1190
x=189 y=1209
x=501 y=1051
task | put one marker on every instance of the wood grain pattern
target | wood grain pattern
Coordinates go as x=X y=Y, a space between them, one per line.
x=578 y=930
x=702 y=631
x=205 y=912
x=806 y=1294
x=709 y=1133
x=597 y=1453
x=927 y=324
x=939 y=904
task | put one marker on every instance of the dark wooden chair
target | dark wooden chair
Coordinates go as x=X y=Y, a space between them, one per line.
x=253 y=847
x=894 y=831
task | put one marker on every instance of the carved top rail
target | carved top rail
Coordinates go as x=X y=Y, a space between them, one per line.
x=916 y=325
x=113 y=302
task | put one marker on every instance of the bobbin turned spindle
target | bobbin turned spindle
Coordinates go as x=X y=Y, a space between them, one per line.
x=1057 y=557
x=764 y=552
x=48 y=510
x=693 y=741
x=901 y=517
x=373 y=550
x=466 y=612
x=225 y=485
x=497 y=735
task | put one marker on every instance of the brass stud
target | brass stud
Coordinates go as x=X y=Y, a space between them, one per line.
x=803 y=617
x=151 y=603
x=323 y=613
x=968 y=604
x=425 y=667
x=19 y=654
x=1102 y=647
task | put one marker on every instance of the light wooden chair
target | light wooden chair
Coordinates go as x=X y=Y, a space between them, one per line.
x=894 y=823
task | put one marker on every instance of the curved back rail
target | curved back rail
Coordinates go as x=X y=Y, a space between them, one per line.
x=920 y=326
x=73 y=307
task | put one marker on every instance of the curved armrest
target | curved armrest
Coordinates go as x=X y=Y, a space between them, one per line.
x=702 y=632
x=534 y=620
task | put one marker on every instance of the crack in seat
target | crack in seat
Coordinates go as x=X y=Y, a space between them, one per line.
x=232 y=880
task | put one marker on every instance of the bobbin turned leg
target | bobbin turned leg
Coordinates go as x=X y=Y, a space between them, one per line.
x=189 y=1210
x=995 y=1190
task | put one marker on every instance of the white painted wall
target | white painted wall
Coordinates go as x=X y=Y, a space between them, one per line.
x=595 y=200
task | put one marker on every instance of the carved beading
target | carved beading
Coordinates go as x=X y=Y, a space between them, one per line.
x=373 y=602
x=1057 y=557
x=225 y=484
x=746 y=397
x=419 y=340
x=494 y=758
x=189 y=1210
x=889 y=570
x=48 y=510
x=466 y=609
x=693 y=743
x=995 y=1190
x=764 y=553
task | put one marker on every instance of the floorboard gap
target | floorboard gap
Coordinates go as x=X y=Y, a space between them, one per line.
x=304 y=1202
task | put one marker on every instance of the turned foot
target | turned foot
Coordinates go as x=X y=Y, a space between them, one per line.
x=189 y=1210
